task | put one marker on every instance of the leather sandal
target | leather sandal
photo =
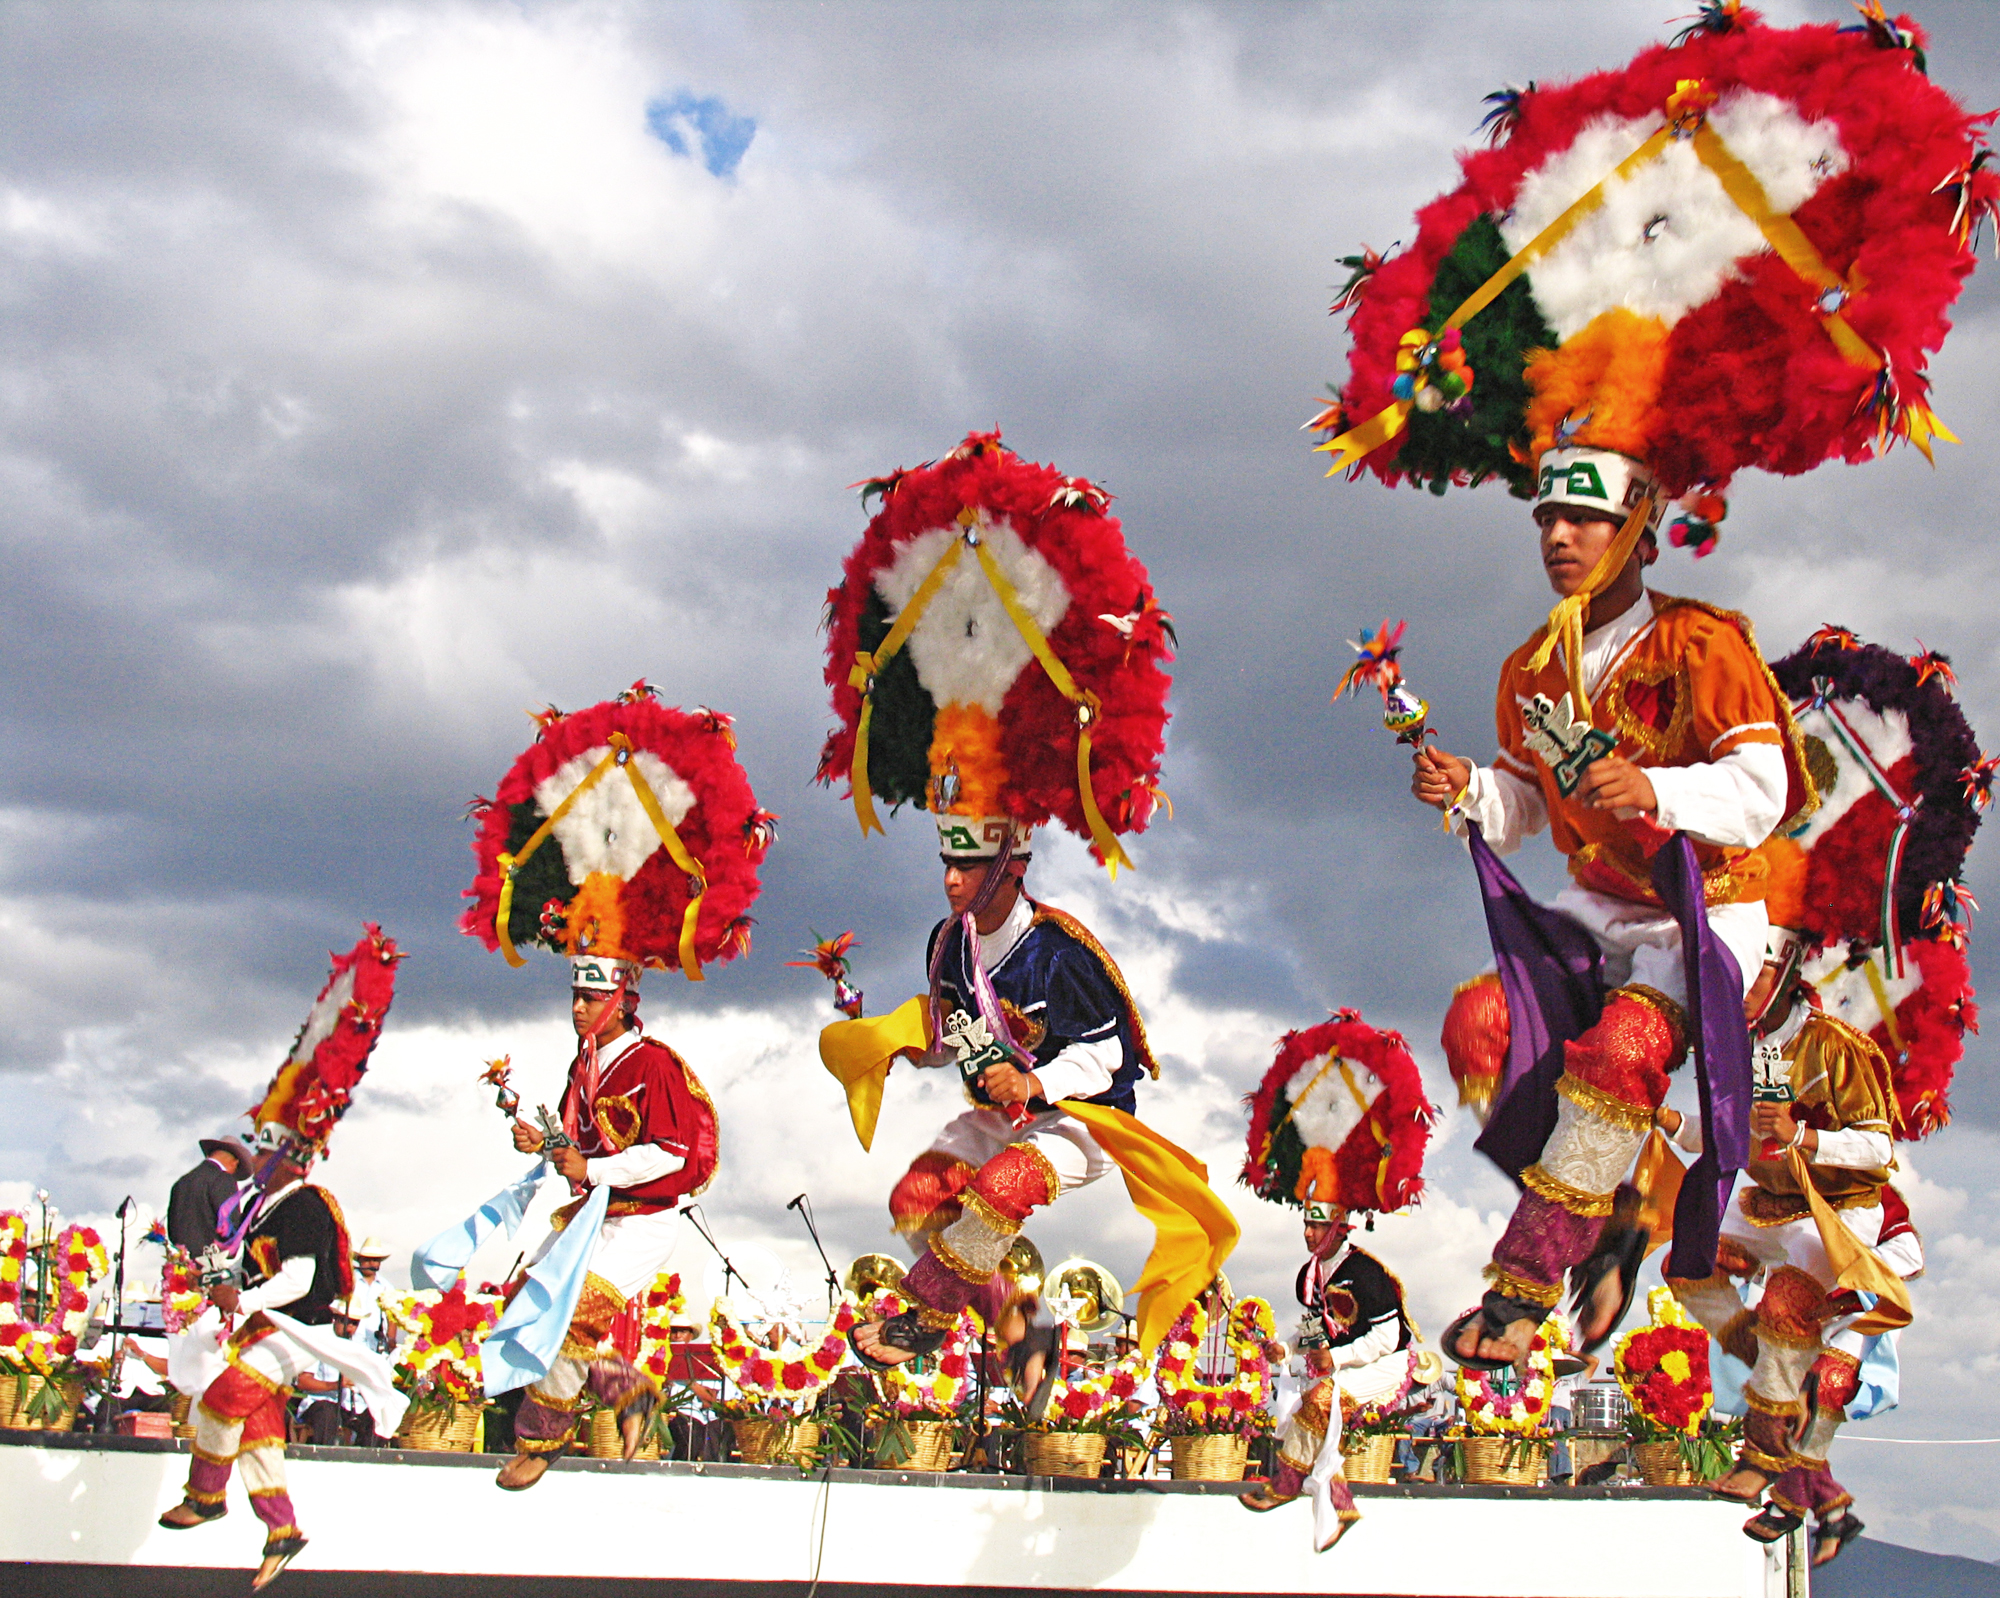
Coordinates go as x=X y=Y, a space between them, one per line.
x=277 y=1555
x=1771 y=1524
x=203 y=1514
x=903 y=1332
x=1495 y=1313
x=1831 y=1536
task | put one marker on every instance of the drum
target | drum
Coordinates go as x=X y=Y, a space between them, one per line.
x=1599 y=1407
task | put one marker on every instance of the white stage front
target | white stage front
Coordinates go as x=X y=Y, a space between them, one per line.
x=77 y=1515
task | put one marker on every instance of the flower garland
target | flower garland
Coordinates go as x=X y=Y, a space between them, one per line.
x=440 y=1363
x=79 y=1261
x=1524 y=1413
x=1232 y=1406
x=790 y=1371
x=182 y=1297
x=1664 y=1367
x=935 y=1392
x=1090 y=1397
x=657 y=1307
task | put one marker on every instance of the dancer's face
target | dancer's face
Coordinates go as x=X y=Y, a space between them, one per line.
x=1323 y=1237
x=962 y=882
x=586 y=1005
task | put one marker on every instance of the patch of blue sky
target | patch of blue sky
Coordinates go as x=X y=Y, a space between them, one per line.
x=701 y=126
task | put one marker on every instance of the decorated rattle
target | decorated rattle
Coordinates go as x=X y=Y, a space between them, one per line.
x=1404 y=711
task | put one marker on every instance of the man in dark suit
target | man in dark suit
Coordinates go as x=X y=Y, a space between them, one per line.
x=197 y=1198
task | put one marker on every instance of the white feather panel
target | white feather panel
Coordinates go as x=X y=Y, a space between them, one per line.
x=1328 y=1112
x=608 y=829
x=1848 y=996
x=1885 y=735
x=965 y=649
x=325 y=1016
x=1667 y=238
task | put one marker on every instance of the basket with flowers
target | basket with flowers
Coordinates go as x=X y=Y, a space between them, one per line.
x=437 y=1366
x=1663 y=1368
x=41 y=1378
x=1507 y=1414
x=1237 y=1407
x=182 y=1296
x=779 y=1380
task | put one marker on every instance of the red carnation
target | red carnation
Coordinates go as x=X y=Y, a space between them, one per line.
x=760 y=1373
x=1076 y=1405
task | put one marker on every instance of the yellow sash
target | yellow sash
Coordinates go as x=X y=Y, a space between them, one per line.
x=1193 y=1231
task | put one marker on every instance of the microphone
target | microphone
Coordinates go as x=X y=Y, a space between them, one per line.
x=124 y=1209
x=796 y=1202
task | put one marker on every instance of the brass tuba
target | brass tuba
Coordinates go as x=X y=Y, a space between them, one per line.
x=1022 y=1265
x=871 y=1274
x=1091 y=1290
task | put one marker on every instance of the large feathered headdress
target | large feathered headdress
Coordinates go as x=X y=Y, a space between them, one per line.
x=1873 y=877
x=1341 y=1119
x=994 y=650
x=1738 y=250
x=314 y=1086
x=627 y=832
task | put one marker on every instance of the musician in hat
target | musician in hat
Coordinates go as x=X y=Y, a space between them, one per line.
x=197 y=1198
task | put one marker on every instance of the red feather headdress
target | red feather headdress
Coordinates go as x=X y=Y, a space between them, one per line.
x=1738 y=250
x=312 y=1089
x=995 y=649
x=627 y=830
x=1341 y=1118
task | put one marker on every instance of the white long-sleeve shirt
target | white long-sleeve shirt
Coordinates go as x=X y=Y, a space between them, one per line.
x=1734 y=801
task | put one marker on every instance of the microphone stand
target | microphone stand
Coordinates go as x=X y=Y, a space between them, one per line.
x=107 y=1411
x=804 y=1206
x=729 y=1273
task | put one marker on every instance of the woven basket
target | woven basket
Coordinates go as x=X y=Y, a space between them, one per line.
x=18 y=1395
x=441 y=1429
x=1660 y=1465
x=183 y=1413
x=1505 y=1461
x=930 y=1445
x=776 y=1442
x=1368 y=1459
x=1064 y=1453
x=1209 y=1458
x=605 y=1443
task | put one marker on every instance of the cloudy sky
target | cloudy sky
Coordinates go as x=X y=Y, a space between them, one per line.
x=372 y=375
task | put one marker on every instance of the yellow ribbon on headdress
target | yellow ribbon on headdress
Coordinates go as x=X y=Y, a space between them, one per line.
x=509 y=864
x=1565 y=624
x=867 y=665
x=1918 y=423
x=1385 y=424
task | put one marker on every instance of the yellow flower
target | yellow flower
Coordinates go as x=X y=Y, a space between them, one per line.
x=1675 y=1363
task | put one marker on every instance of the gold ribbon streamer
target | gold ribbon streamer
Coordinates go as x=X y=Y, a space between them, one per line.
x=676 y=850
x=1381 y=1137
x=510 y=863
x=1565 y=624
x=1784 y=237
x=1384 y=425
x=1031 y=634
x=867 y=664
x=1856 y=1267
x=1882 y=1003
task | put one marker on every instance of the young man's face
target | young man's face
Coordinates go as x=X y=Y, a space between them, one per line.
x=1324 y=1235
x=962 y=882
x=368 y=1267
x=1573 y=542
x=587 y=1004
